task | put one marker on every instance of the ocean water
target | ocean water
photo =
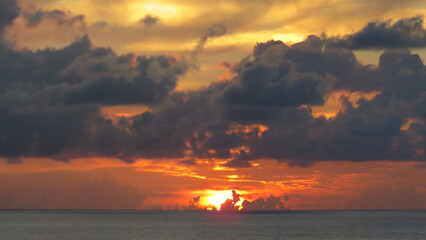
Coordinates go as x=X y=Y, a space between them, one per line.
x=78 y=225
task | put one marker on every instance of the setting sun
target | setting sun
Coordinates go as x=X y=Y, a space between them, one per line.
x=216 y=198
x=164 y=10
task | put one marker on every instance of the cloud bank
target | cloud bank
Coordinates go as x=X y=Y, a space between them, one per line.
x=404 y=33
x=385 y=197
x=50 y=101
x=61 y=18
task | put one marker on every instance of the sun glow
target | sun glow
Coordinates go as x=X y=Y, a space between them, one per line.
x=216 y=198
x=164 y=10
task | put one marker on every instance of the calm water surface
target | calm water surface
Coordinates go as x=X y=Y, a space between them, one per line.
x=106 y=225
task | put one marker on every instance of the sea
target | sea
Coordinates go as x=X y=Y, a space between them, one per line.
x=104 y=225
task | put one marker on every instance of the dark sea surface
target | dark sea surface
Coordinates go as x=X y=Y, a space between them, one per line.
x=17 y=224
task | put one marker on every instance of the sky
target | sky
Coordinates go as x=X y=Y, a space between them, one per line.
x=166 y=104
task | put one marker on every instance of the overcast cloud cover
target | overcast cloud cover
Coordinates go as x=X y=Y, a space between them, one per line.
x=50 y=99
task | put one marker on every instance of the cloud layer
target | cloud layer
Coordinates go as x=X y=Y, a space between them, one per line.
x=50 y=101
x=385 y=34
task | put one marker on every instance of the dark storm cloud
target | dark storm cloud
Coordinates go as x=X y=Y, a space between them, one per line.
x=198 y=123
x=239 y=162
x=314 y=55
x=371 y=130
x=81 y=74
x=419 y=106
x=9 y=10
x=153 y=79
x=35 y=16
x=50 y=104
x=185 y=121
x=305 y=73
x=149 y=20
x=408 y=32
x=274 y=79
x=271 y=203
x=45 y=133
x=50 y=101
x=188 y=162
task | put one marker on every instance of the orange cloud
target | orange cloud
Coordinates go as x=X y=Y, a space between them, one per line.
x=327 y=185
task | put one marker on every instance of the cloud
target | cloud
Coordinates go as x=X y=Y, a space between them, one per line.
x=229 y=204
x=385 y=197
x=149 y=20
x=50 y=99
x=271 y=203
x=246 y=19
x=107 y=193
x=272 y=80
x=99 y=25
x=198 y=122
x=80 y=73
x=152 y=79
x=50 y=104
x=193 y=204
x=34 y=17
x=215 y=30
x=188 y=162
x=9 y=11
x=371 y=130
x=404 y=33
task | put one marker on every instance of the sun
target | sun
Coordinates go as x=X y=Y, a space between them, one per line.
x=216 y=198
x=165 y=10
